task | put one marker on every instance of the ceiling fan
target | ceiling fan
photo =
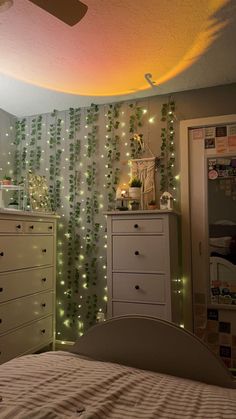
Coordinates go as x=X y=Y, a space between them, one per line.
x=68 y=11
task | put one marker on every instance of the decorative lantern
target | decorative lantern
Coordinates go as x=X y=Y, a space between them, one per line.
x=166 y=201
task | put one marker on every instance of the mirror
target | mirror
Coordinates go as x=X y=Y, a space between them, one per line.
x=222 y=229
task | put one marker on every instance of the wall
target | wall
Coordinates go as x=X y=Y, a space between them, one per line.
x=84 y=154
x=79 y=183
x=7 y=148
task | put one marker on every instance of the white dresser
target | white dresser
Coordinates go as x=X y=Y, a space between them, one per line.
x=27 y=282
x=143 y=264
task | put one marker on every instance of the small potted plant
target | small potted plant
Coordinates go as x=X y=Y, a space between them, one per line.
x=152 y=205
x=135 y=188
x=6 y=180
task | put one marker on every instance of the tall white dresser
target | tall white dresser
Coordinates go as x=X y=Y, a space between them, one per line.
x=27 y=282
x=143 y=264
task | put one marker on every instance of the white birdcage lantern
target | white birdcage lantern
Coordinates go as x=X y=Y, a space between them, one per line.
x=166 y=201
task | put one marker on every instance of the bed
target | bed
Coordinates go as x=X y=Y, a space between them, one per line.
x=127 y=367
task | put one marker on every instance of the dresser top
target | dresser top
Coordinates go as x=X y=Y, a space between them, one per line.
x=14 y=212
x=142 y=212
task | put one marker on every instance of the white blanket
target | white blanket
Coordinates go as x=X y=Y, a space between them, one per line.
x=61 y=385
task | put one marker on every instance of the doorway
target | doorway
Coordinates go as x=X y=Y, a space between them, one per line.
x=208 y=210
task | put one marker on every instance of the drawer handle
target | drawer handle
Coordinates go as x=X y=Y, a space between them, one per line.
x=18 y=226
x=0 y=320
x=136 y=252
x=31 y=227
x=43 y=304
x=1 y=289
x=50 y=228
x=44 y=279
x=137 y=287
x=135 y=225
x=43 y=331
x=44 y=250
x=1 y=253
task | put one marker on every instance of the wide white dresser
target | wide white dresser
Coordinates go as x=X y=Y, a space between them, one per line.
x=143 y=264
x=27 y=282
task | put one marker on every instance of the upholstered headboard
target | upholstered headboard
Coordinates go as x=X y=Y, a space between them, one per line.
x=153 y=344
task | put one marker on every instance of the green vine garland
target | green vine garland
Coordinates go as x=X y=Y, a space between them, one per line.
x=112 y=147
x=91 y=237
x=135 y=123
x=73 y=274
x=167 y=181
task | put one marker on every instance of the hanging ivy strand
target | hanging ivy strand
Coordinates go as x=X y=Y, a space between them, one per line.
x=137 y=145
x=135 y=123
x=167 y=181
x=73 y=244
x=112 y=152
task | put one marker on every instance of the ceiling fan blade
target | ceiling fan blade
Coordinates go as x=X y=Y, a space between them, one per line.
x=69 y=11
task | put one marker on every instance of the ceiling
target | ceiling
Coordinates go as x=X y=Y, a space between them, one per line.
x=45 y=64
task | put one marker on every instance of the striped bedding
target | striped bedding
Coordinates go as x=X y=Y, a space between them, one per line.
x=62 y=385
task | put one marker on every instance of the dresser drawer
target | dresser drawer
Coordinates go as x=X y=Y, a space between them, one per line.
x=121 y=309
x=140 y=253
x=138 y=287
x=24 y=310
x=20 y=283
x=139 y=225
x=27 y=339
x=17 y=252
x=36 y=227
x=11 y=226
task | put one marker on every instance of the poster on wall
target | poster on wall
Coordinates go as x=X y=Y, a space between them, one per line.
x=210 y=132
x=210 y=143
x=221 y=131
x=232 y=143
x=221 y=145
x=198 y=134
x=231 y=130
x=221 y=139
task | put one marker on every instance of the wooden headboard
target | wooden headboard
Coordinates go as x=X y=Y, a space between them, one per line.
x=153 y=344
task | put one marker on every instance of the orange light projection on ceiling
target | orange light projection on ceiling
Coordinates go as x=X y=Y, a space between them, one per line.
x=111 y=49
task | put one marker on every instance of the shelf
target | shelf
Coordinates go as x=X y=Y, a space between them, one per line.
x=127 y=198
x=11 y=188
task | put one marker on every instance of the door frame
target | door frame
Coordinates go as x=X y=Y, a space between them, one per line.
x=185 y=125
